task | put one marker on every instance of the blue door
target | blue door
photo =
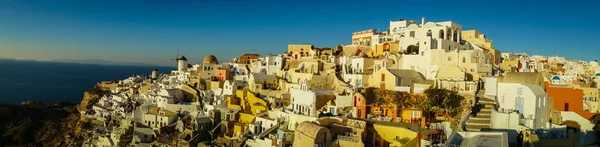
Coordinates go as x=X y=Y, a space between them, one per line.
x=519 y=104
x=519 y=100
x=332 y=110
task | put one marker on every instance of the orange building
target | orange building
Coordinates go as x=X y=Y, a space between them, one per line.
x=362 y=109
x=246 y=58
x=223 y=74
x=360 y=103
x=567 y=98
x=389 y=110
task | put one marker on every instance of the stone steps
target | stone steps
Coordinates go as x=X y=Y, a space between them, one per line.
x=480 y=114
x=479 y=121
x=482 y=120
x=477 y=127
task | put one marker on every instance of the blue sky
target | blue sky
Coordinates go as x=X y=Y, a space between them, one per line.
x=153 y=31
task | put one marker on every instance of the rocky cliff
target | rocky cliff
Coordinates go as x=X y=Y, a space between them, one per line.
x=36 y=124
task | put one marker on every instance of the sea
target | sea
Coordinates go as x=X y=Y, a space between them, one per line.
x=51 y=82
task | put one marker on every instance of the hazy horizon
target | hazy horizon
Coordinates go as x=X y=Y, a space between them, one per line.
x=153 y=32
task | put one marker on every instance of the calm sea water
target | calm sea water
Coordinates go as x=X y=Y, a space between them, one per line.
x=51 y=82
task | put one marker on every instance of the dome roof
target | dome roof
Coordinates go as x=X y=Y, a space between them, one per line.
x=210 y=59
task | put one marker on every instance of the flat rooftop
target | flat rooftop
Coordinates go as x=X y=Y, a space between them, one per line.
x=499 y=139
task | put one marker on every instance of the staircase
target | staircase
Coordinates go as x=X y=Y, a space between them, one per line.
x=482 y=119
x=266 y=132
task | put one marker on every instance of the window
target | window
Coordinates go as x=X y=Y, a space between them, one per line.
x=544 y=104
x=464 y=60
x=382 y=77
x=412 y=33
x=398 y=81
x=455 y=36
x=449 y=58
x=429 y=33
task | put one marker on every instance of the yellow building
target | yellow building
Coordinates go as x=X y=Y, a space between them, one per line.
x=477 y=38
x=381 y=48
x=239 y=128
x=299 y=50
x=411 y=116
x=311 y=134
x=242 y=124
x=247 y=102
x=509 y=65
x=395 y=79
x=453 y=78
x=398 y=134
x=590 y=99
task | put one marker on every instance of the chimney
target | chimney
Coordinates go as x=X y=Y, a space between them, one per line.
x=422 y=21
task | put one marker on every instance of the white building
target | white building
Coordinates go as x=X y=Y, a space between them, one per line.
x=230 y=86
x=355 y=70
x=143 y=136
x=309 y=102
x=240 y=72
x=157 y=117
x=426 y=47
x=556 y=80
x=529 y=101
x=274 y=64
x=262 y=124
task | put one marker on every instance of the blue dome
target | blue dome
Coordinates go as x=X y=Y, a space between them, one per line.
x=598 y=75
x=555 y=78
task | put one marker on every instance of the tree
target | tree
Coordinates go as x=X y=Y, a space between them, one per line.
x=378 y=97
x=596 y=121
x=443 y=100
x=371 y=96
x=338 y=49
x=401 y=99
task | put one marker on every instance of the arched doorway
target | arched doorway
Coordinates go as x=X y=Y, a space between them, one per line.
x=386 y=47
x=455 y=36
x=412 y=49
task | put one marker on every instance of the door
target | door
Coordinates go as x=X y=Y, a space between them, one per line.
x=566 y=106
x=359 y=113
x=332 y=110
x=519 y=104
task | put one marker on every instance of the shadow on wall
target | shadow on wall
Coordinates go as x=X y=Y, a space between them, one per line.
x=588 y=137
x=512 y=134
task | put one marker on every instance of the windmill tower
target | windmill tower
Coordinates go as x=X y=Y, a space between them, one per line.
x=181 y=62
